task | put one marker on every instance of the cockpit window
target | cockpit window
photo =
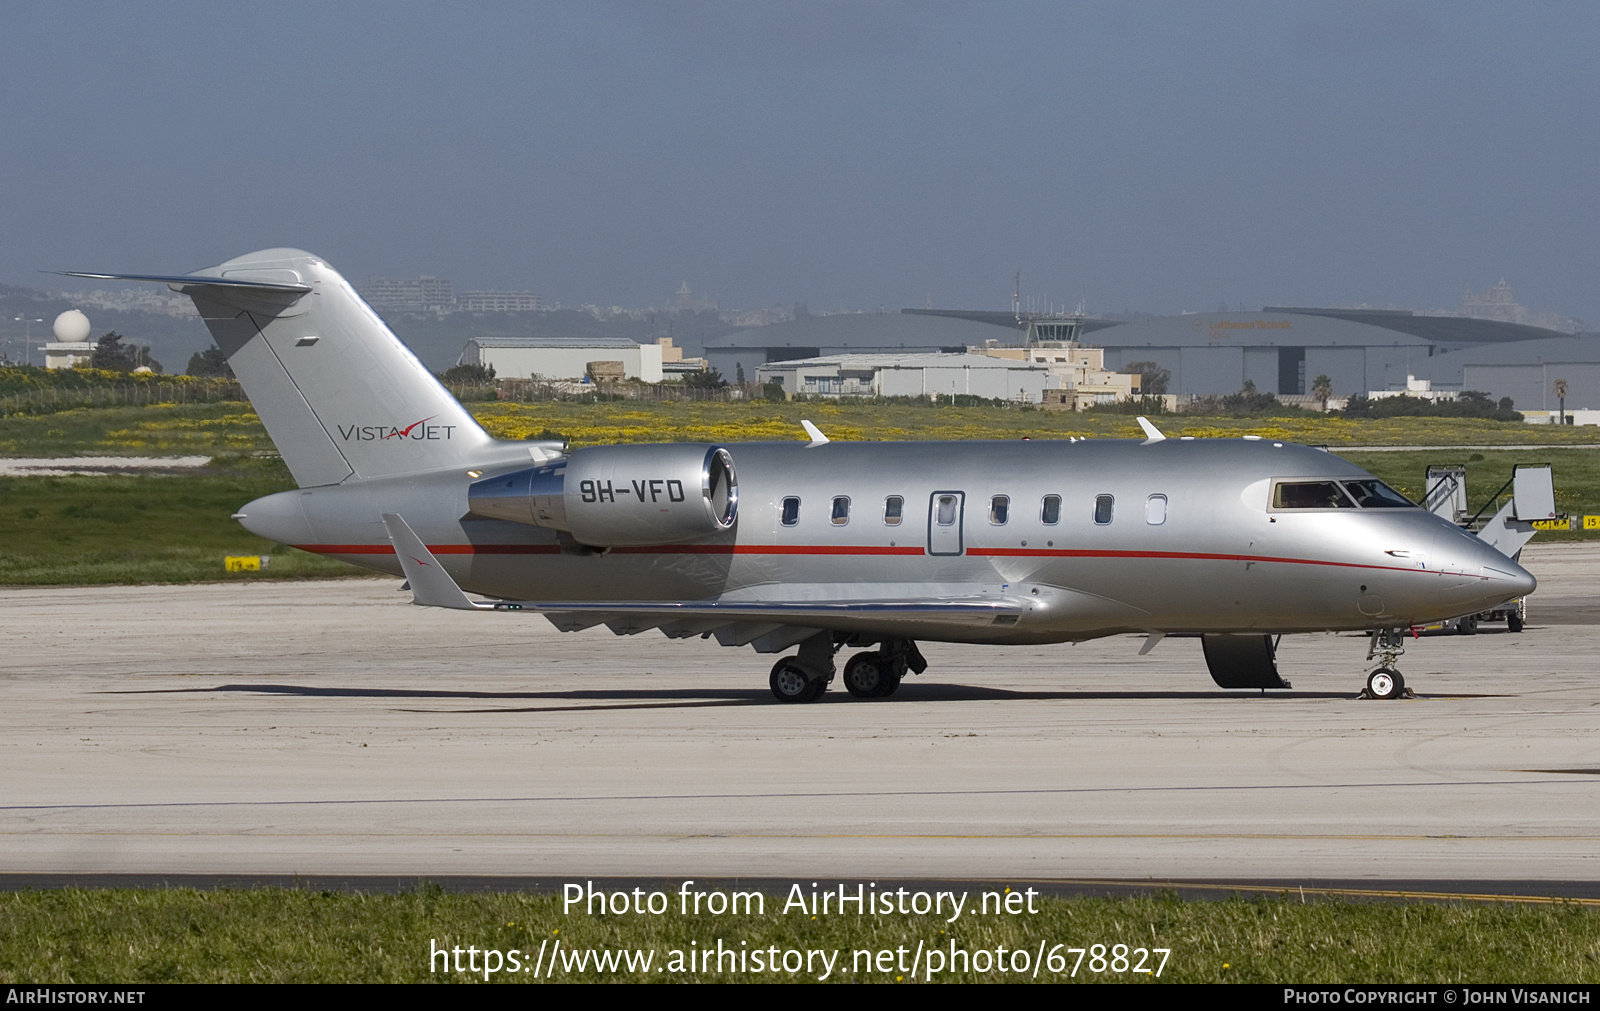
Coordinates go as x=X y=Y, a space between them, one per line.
x=1310 y=495
x=1375 y=494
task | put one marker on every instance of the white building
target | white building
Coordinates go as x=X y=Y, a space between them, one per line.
x=1575 y=416
x=1418 y=389
x=910 y=375
x=422 y=294
x=498 y=301
x=562 y=358
x=1078 y=376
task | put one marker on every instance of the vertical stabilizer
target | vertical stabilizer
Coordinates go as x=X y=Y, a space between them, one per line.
x=341 y=396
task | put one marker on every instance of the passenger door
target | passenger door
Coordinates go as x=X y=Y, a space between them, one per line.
x=945 y=509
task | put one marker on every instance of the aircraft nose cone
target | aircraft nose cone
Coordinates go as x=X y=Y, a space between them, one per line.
x=1503 y=579
x=1475 y=574
x=1507 y=576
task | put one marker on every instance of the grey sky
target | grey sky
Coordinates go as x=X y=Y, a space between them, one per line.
x=1156 y=156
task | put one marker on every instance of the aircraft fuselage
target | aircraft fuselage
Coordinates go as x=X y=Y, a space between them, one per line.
x=1093 y=537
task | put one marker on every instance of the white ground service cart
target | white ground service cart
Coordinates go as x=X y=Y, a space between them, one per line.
x=1532 y=498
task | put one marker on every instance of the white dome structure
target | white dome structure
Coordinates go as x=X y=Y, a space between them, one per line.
x=72 y=327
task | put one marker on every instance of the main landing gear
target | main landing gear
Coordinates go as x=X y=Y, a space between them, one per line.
x=791 y=683
x=1386 y=682
x=872 y=674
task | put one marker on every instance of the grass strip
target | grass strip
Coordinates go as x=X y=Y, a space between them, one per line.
x=288 y=935
x=140 y=529
x=233 y=428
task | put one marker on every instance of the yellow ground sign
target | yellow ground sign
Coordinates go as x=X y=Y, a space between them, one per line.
x=1550 y=525
x=1591 y=523
x=244 y=563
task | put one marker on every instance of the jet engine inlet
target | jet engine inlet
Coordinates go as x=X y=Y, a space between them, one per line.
x=620 y=496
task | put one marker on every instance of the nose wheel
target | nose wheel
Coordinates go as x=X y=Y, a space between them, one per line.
x=1385 y=683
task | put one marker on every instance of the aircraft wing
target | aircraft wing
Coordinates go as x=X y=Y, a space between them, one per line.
x=770 y=625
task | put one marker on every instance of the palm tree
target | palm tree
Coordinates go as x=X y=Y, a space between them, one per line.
x=1322 y=386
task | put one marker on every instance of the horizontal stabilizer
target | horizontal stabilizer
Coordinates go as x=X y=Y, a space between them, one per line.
x=342 y=397
x=227 y=282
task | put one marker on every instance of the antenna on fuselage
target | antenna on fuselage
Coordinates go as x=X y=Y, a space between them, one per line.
x=1150 y=430
x=817 y=438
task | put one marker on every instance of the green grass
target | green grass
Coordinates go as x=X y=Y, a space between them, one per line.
x=159 y=430
x=144 y=529
x=588 y=424
x=233 y=428
x=278 y=935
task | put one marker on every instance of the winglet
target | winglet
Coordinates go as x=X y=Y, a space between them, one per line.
x=1150 y=430
x=431 y=586
x=817 y=438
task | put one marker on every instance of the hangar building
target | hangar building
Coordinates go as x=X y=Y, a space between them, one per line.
x=1525 y=371
x=1282 y=350
x=852 y=333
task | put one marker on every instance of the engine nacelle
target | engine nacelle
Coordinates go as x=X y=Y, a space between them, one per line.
x=620 y=496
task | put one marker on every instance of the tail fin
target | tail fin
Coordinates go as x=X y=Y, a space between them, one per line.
x=340 y=395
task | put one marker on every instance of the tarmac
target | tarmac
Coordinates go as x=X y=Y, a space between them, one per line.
x=330 y=729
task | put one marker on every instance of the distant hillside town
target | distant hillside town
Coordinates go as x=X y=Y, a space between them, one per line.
x=1320 y=358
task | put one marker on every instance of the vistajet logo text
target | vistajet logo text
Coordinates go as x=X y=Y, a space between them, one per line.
x=417 y=431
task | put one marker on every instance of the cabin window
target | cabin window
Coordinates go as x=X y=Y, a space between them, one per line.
x=1155 y=510
x=1102 y=509
x=1050 y=513
x=894 y=508
x=841 y=510
x=999 y=510
x=1310 y=495
x=1375 y=494
x=945 y=514
x=791 y=511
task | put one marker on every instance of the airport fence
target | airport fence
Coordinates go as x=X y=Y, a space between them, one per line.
x=49 y=400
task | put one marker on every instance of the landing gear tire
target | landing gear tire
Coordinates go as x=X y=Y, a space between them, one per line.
x=1513 y=622
x=1467 y=625
x=789 y=683
x=870 y=676
x=1385 y=683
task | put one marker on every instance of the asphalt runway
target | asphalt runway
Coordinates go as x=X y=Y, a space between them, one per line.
x=332 y=729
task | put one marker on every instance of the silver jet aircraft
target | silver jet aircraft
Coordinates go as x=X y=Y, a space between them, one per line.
x=820 y=546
